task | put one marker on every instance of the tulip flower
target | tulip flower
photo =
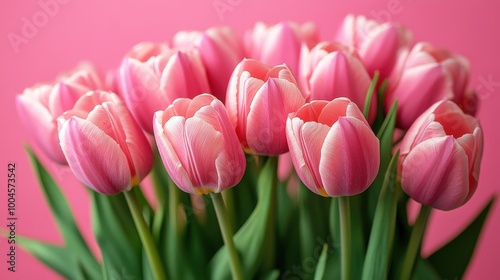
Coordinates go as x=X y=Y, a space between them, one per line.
x=423 y=77
x=333 y=148
x=221 y=50
x=378 y=44
x=259 y=98
x=198 y=145
x=281 y=43
x=332 y=70
x=40 y=105
x=104 y=147
x=153 y=84
x=441 y=156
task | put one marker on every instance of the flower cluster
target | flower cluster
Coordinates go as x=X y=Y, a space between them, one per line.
x=207 y=98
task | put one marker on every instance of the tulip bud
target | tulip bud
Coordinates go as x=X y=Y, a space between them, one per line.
x=104 y=147
x=333 y=70
x=440 y=157
x=423 y=77
x=221 y=50
x=39 y=106
x=198 y=145
x=333 y=148
x=281 y=43
x=378 y=44
x=259 y=98
x=148 y=86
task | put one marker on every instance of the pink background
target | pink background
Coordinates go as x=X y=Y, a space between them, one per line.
x=103 y=32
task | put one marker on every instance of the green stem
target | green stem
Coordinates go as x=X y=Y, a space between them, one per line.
x=159 y=182
x=145 y=234
x=227 y=236
x=345 y=237
x=415 y=241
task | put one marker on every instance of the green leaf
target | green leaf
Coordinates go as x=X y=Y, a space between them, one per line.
x=57 y=258
x=64 y=218
x=385 y=135
x=254 y=241
x=378 y=255
x=287 y=227
x=320 y=267
x=424 y=270
x=369 y=94
x=313 y=220
x=452 y=259
x=271 y=275
x=117 y=236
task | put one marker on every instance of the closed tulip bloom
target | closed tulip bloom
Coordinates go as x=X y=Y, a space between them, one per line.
x=441 y=156
x=280 y=43
x=378 y=44
x=198 y=145
x=423 y=77
x=221 y=50
x=40 y=105
x=259 y=99
x=153 y=84
x=332 y=70
x=104 y=147
x=333 y=148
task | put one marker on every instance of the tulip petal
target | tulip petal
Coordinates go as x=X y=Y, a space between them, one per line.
x=350 y=158
x=267 y=117
x=168 y=154
x=435 y=173
x=140 y=84
x=42 y=126
x=95 y=158
x=305 y=141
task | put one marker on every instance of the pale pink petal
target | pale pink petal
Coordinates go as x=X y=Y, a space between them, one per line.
x=41 y=126
x=95 y=158
x=168 y=154
x=305 y=141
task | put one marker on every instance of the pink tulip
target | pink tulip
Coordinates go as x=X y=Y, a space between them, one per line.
x=104 y=147
x=221 y=50
x=332 y=70
x=424 y=76
x=333 y=148
x=440 y=157
x=280 y=43
x=39 y=106
x=378 y=44
x=150 y=85
x=198 y=145
x=259 y=98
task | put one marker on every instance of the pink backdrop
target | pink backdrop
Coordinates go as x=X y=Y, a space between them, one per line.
x=103 y=32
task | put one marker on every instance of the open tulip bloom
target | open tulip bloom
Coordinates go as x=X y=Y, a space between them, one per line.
x=208 y=125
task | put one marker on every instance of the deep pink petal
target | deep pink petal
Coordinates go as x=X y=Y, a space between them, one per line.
x=350 y=158
x=435 y=173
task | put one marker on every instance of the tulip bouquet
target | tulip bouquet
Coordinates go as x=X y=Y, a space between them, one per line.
x=273 y=157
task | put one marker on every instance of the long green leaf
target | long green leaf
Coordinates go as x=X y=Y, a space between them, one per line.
x=117 y=236
x=252 y=240
x=320 y=267
x=385 y=135
x=379 y=250
x=369 y=95
x=452 y=259
x=56 y=257
x=65 y=220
